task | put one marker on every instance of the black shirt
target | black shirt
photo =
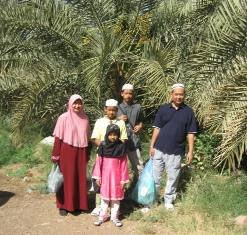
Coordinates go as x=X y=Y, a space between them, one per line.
x=174 y=126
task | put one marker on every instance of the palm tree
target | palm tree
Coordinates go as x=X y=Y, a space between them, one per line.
x=51 y=49
x=203 y=44
x=55 y=49
x=221 y=80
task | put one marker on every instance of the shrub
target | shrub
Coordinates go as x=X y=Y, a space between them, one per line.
x=205 y=147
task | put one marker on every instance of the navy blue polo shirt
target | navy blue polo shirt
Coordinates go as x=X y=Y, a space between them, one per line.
x=174 y=126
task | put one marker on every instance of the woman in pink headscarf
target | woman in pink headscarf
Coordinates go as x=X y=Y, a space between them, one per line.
x=70 y=151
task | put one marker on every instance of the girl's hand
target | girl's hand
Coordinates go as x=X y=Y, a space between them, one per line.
x=123 y=185
x=98 y=182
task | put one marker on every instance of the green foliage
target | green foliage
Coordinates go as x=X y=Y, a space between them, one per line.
x=218 y=195
x=52 y=49
x=20 y=172
x=7 y=150
x=24 y=154
x=41 y=188
x=220 y=73
x=205 y=149
x=208 y=206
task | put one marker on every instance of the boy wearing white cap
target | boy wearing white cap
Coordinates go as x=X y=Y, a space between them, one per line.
x=99 y=131
x=111 y=108
x=130 y=112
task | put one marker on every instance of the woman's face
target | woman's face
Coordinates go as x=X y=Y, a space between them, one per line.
x=112 y=137
x=77 y=106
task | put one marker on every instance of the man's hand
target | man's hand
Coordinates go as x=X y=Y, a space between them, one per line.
x=123 y=117
x=189 y=157
x=98 y=182
x=155 y=135
x=191 y=140
x=151 y=151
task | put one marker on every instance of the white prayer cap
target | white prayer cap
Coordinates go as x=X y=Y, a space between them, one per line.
x=177 y=85
x=111 y=103
x=127 y=86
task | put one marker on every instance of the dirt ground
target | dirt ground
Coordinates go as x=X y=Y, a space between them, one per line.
x=29 y=212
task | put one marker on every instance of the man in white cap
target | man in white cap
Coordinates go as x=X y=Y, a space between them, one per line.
x=174 y=122
x=130 y=112
x=99 y=130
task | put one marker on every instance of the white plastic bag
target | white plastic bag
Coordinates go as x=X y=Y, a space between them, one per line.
x=55 y=179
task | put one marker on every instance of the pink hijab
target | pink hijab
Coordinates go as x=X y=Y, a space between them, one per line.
x=71 y=127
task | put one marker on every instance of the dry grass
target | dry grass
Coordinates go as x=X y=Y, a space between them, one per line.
x=208 y=206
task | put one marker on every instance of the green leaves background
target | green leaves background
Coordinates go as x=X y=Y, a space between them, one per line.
x=51 y=49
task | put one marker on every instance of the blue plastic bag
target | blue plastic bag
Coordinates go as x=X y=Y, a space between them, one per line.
x=145 y=191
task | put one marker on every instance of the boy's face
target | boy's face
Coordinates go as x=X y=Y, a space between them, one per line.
x=111 y=112
x=127 y=95
x=113 y=137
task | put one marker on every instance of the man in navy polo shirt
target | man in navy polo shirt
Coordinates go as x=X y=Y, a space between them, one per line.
x=174 y=122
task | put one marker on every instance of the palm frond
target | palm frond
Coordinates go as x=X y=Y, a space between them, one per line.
x=52 y=26
x=104 y=51
x=46 y=97
x=155 y=72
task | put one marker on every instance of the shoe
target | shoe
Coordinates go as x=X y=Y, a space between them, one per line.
x=76 y=212
x=145 y=210
x=98 y=222
x=169 y=206
x=117 y=223
x=95 y=211
x=63 y=212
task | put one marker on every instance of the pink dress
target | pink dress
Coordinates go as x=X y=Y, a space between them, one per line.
x=111 y=171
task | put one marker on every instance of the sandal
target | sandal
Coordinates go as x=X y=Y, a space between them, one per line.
x=95 y=211
x=117 y=223
x=98 y=222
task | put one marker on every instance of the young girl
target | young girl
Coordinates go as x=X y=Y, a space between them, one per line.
x=99 y=131
x=111 y=174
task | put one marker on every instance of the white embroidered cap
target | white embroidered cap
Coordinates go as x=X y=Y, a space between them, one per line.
x=111 y=103
x=177 y=85
x=127 y=86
